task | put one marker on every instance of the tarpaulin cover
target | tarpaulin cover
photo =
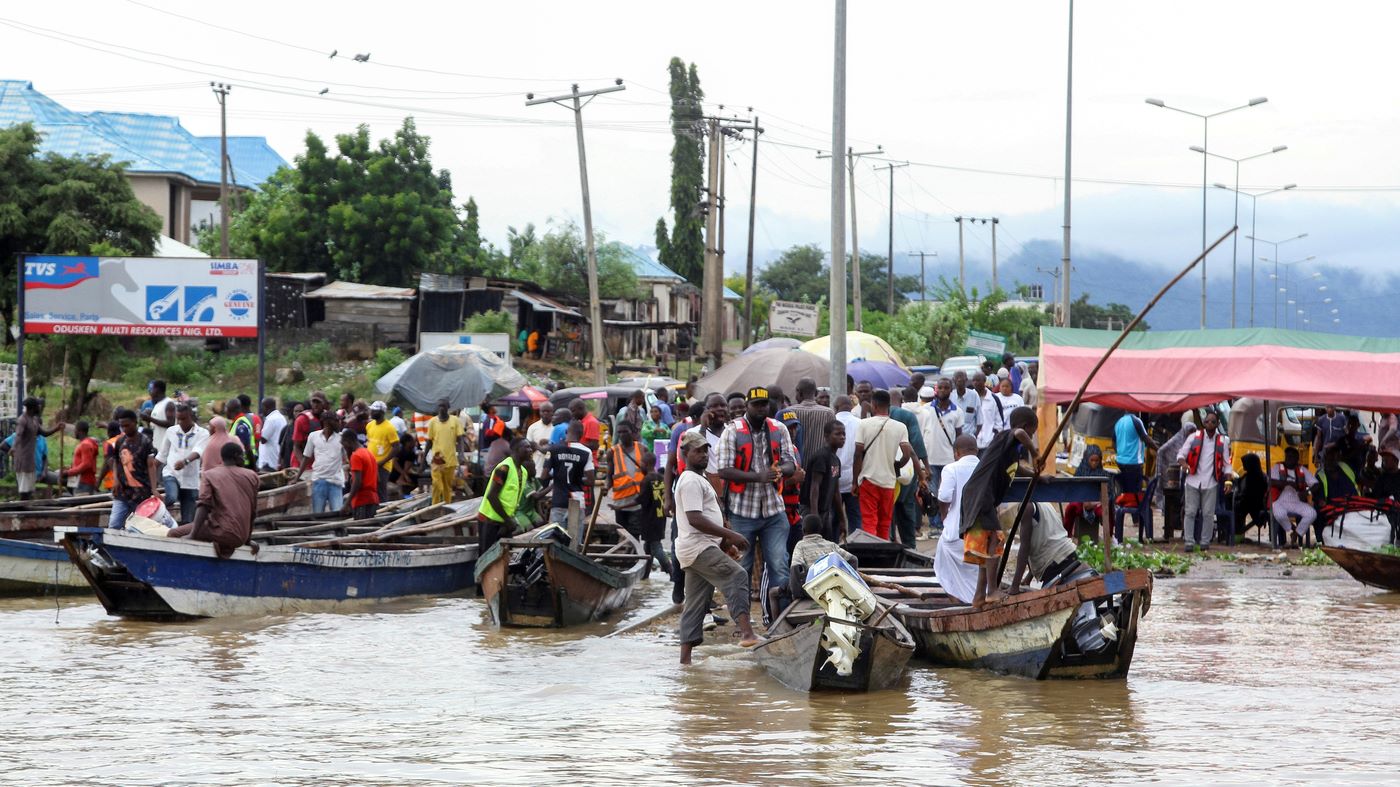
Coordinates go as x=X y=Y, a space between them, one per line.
x=859 y=346
x=1169 y=371
x=463 y=374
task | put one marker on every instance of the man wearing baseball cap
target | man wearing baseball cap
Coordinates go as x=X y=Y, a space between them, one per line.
x=382 y=439
x=755 y=454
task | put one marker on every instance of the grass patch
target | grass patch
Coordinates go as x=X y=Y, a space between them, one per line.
x=1389 y=549
x=1134 y=554
x=1312 y=557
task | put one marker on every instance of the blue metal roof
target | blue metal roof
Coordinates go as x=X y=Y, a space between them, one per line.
x=643 y=265
x=147 y=143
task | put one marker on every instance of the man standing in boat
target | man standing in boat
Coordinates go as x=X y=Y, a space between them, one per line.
x=755 y=454
x=363 y=496
x=504 y=493
x=129 y=459
x=1010 y=453
x=705 y=551
x=228 y=502
x=27 y=431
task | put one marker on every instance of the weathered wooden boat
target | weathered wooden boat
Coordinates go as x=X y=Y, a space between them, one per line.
x=32 y=563
x=875 y=552
x=1376 y=569
x=793 y=652
x=154 y=577
x=1032 y=633
x=539 y=579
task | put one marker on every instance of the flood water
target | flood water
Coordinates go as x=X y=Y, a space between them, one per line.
x=1241 y=681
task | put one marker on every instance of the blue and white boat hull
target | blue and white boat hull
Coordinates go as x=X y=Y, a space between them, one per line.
x=143 y=576
x=37 y=567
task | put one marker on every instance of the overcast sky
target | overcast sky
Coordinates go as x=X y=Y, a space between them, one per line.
x=978 y=86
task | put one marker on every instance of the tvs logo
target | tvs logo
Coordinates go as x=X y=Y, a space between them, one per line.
x=58 y=273
x=230 y=268
x=239 y=304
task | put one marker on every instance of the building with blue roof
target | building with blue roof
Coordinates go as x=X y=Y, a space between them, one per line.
x=171 y=170
x=663 y=314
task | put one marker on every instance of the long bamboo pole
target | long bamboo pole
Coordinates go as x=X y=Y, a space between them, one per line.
x=1048 y=450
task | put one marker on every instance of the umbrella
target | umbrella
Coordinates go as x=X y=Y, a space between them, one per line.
x=464 y=374
x=859 y=346
x=765 y=368
x=529 y=396
x=775 y=343
x=881 y=373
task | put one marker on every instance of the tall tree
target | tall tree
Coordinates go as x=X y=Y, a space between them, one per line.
x=874 y=290
x=799 y=274
x=685 y=251
x=1083 y=314
x=558 y=262
x=472 y=250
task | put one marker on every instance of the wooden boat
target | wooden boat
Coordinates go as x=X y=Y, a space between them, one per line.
x=539 y=580
x=1369 y=568
x=153 y=577
x=1031 y=633
x=793 y=652
x=32 y=563
x=875 y=552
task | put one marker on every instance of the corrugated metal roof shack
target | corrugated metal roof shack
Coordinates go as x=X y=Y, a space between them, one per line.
x=285 y=295
x=385 y=315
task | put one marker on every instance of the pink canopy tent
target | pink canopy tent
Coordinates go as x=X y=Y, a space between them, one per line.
x=1170 y=371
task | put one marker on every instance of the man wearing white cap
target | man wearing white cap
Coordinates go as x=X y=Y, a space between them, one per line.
x=382 y=438
x=941 y=421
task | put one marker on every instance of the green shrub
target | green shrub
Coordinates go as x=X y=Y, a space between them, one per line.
x=490 y=322
x=1133 y=554
x=183 y=370
x=1312 y=557
x=138 y=370
x=386 y=359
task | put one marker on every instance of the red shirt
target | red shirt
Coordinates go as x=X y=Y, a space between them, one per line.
x=591 y=428
x=85 y=462
x=363 y=461
x=302 y=427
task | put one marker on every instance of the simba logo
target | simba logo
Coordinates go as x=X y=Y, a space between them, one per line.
x=229 y=268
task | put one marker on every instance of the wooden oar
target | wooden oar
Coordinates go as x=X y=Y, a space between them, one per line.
x=880 y=583
x=1049 y=449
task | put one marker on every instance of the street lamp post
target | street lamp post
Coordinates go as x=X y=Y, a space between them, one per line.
x=1286 y=276
x=1253 y=224
x=1235 y=253
x=1205 y=161
x=1274 y=276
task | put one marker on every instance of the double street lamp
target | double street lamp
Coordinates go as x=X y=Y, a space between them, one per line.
x=1253 y=223
x=1285 y=281
x=1274 y=275
x=1235 y=254
x=1205 y=162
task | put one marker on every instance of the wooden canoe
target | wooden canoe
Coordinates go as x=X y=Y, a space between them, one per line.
x=31 y=563
x=1369 y=568
x=875 y=552
x=1031 y=633
x=793 y=652
x=537 y=581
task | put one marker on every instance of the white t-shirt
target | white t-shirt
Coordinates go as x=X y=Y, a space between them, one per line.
x=958 y=578
x=712 y=462
x=165 y=411
x=399 y=424
x=1204 y=477
x=270 y=450
x=847 y=453
x=996 y=416
x=538 y=435
x=694 y=493
x=881 y=436
x=327 y=455
x=178 y=445
x=950 y=488
x=939 y=432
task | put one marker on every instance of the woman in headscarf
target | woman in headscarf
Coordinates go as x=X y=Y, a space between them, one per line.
x=218 y=436
x=1090 y=466
x=1029 y=393
x=1166 y=457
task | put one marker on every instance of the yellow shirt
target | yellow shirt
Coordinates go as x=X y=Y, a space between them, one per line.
x=443 y=435
x=382 y=437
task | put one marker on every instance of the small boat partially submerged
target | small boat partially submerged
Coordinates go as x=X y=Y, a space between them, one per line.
x=1376 y=569
x=1035 y=634
x=844 y=639
x=150 y=576
x=541 y=580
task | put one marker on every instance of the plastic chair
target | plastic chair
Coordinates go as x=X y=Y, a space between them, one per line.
x=1278 y=534
x=1143 y=512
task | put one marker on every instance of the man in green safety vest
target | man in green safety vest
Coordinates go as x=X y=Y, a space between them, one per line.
x=504 y=493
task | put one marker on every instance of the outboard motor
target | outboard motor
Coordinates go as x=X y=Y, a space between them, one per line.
x=843 y=595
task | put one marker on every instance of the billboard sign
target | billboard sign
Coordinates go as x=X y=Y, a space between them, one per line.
x=992 y=345
x=792 y=319
x=140 y=296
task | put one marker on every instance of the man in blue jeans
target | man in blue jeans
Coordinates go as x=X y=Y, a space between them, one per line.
x=325 y=459
x=755 y=454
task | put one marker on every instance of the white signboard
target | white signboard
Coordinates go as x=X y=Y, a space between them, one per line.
x=498 y=343
x=140 y=296
x=792 y=319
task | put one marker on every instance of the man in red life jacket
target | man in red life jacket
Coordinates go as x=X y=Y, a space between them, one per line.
x=1205 y=460
x=755 y=454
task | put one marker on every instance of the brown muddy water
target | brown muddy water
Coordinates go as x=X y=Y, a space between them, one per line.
x=1235 y=681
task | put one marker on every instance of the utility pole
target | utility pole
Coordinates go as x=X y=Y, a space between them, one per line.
x=712 y=335
x=962 y=268
x=748 y=264
x=1054 y=273
x=923 y=272
x=993 y=222
x=836 y=300
x=221 y=93
x=574 y=100
x=890 y=272
x=1069 y=128
x=851 y=156
x=994 y=253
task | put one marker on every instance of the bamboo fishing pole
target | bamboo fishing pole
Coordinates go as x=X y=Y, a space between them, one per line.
x=1048 y=450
